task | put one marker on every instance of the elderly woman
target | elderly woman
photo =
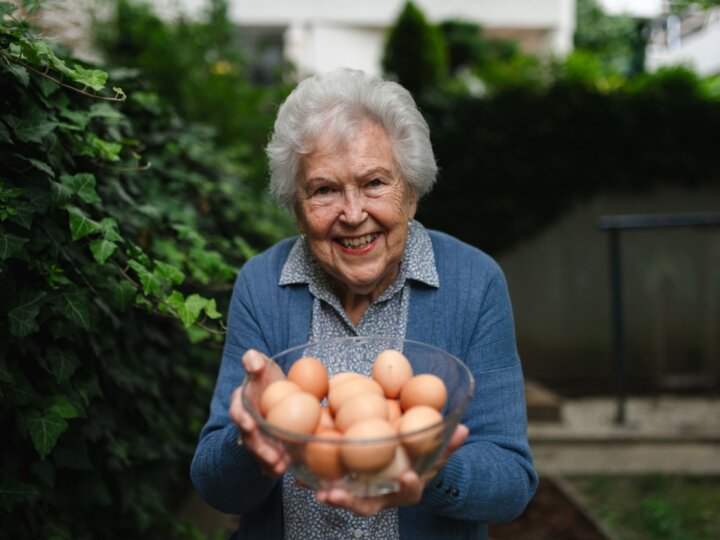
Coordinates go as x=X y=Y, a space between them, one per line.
x=351 y=157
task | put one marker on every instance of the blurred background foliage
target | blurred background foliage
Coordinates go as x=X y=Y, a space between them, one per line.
x=520 y=139
x=123 y=220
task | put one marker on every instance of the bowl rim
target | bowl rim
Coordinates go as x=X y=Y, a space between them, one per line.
x=295 y=437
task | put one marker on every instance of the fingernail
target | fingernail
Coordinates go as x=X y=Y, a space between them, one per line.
x=254 y=362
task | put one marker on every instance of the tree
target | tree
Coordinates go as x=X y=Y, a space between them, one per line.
x=617 y=41
x=415 y=52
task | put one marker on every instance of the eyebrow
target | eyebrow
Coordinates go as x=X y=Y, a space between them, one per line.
x=374 y=170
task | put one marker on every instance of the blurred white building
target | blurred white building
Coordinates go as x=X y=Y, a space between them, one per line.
x=318 y=35
x=691 y=38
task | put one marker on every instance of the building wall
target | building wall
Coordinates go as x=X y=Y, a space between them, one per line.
x=559 y=284
x=323 y=34
x=700 y=51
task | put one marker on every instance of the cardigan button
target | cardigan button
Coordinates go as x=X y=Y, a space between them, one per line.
x=454 y=492
x=449 y=489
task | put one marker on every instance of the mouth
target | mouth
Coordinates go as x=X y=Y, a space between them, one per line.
x=358 y=242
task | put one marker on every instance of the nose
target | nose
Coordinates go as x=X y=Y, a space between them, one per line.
x=353 y=211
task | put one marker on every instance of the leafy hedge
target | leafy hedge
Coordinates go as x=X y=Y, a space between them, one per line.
x=513 y=162
x=120 y=224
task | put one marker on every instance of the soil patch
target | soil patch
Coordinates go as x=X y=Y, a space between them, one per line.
x=551 y=515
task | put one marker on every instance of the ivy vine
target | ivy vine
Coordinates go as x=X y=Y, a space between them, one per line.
x=122 y=228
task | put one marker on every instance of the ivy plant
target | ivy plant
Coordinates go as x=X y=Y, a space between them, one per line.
x=122 y=228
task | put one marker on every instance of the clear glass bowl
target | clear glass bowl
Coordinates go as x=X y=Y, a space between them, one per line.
x=357 y=355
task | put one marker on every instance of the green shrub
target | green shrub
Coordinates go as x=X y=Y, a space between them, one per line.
x=415 y=52
x=199 y=67
x=513 y=162
x=121 y=229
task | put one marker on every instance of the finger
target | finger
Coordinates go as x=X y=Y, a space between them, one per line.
x=239 y=415
x=254 y=361
x=458 y=437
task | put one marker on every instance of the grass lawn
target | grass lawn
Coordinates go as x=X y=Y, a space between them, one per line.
x=657 y=507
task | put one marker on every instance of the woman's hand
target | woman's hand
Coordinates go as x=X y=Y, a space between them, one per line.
x=260 y=371
x=410 y=492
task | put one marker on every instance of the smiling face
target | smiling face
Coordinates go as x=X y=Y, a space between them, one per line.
x=354 y=208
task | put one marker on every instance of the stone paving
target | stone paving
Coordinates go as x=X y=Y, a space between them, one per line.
x=662 y=434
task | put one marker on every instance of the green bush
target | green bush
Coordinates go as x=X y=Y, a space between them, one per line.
x=122 y=227
x=513 y=162
x=415 y=52
x=200 y=67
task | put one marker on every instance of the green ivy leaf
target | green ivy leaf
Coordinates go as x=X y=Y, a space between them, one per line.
x=123 y=292
x=82 y=184
x=24 y=211
x=168 y=273
x=109 y=230
x=197 y=335
x=63 y=407
x=211 y=309
x=73 y=305
x=60 y=194
x=45 y=430
x=96 y=147
x=188 y=309
x=20 y=392
x=20 y=73
x=151 y=284
x=79 y=119
x=12 y=491
x=39 y=165
x=80 y=224
x=10 y=245
x=105 y=110
x=61 y=363
x=34 y=127
x=94 y=78
x=102 y=250
x=22 y=315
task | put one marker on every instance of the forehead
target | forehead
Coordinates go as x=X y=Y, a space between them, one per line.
x=367 y=146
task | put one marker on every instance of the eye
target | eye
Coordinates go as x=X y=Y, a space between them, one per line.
x=322 y=191
x=375 y=182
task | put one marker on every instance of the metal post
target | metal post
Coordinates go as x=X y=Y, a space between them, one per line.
x=617 y=319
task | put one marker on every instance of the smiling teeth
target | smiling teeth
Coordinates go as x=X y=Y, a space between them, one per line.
x=358 y=242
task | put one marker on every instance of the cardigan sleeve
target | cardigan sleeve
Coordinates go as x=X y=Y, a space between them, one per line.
x=223 y=472
x=491 y=478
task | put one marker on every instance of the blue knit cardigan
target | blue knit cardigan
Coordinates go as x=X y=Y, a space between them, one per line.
x=489 y=479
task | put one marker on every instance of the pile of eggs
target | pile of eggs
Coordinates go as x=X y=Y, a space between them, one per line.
x=351 y=408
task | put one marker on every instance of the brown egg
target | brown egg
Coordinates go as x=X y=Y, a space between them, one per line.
x=326 y=421
x=394 y=411
x=349 y=388
x=399 y=464
x=423 y=389
x=299 y=413
x=391 y=370
x=276 y=391
x=310 y=374
x=418 y=418
x=361 y=407
x=342 y=377
x=368 y=456
x=323 y=458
